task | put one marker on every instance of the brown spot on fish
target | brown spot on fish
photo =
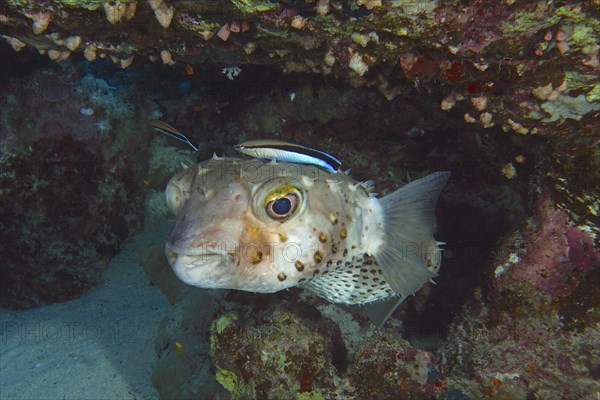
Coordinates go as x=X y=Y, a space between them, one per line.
x=345 y=252
x=334 y=248
x=343 y=233
x=316 y=272
x=333 y=218
x=318 y=257
x=255 y=256
x=281 y=276
x=299 y=266
x=322 y=237
x=283 y=237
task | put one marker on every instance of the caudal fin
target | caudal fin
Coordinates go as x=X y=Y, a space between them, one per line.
x=410 y=255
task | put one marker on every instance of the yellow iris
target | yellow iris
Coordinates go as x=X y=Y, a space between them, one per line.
x=279 y=193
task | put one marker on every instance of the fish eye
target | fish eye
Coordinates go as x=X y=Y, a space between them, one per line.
x=283 y=207
x=283 y=203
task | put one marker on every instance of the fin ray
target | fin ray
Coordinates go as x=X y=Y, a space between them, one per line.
x=377 y=311
x=411 y=256
x=380 y=311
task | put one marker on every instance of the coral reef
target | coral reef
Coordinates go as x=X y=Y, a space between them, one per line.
x=390 y=367
x=284 y=347
x=492 y=354
x=502 y=52
x=277 y=356
x=69 y=198
x=532 y=331
x=505 y=95
x=63 y=217
x=554 y=258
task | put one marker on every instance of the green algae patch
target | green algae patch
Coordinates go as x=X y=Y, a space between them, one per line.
x=586 y=83
x=578 y=81
x=594 y=94
x=278 y=357
x=578 y=18
x=266 y=30
x=249 y=6
x=585 y=28
x=527 y=21
x=568 y=107
x=235 y=386
x=224 y=322
x=88 y=5
x=401 y=26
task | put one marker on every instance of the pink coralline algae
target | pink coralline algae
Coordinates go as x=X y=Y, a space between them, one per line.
x=556 y=254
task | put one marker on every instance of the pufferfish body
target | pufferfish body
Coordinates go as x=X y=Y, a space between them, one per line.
x=263 y=227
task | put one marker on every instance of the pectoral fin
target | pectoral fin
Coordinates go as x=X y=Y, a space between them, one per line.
x=410 y=255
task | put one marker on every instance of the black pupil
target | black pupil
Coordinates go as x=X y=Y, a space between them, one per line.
x=282 y=206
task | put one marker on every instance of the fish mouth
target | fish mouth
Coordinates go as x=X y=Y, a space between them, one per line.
x=197 y=266
x=193 y=258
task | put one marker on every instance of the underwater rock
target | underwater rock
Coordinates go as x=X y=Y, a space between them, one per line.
x=277 y=355
x=281 y=346
x=531 y=331
x=389 y=367
x=552 y=257
x=491 y=353
x=71 y=179
x=63 y=217
x=460 y=50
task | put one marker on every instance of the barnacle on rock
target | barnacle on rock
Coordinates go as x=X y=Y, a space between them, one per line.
x=115 y=11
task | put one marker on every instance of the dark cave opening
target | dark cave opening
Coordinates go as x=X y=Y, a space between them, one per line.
x=387 y=141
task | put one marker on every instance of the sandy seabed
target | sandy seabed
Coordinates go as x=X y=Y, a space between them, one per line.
x=99 y=346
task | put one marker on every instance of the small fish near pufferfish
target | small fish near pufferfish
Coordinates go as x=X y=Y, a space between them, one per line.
x=264 y=226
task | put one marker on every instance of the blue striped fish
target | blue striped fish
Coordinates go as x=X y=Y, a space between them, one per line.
x=170 y=131
x=279 y=150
